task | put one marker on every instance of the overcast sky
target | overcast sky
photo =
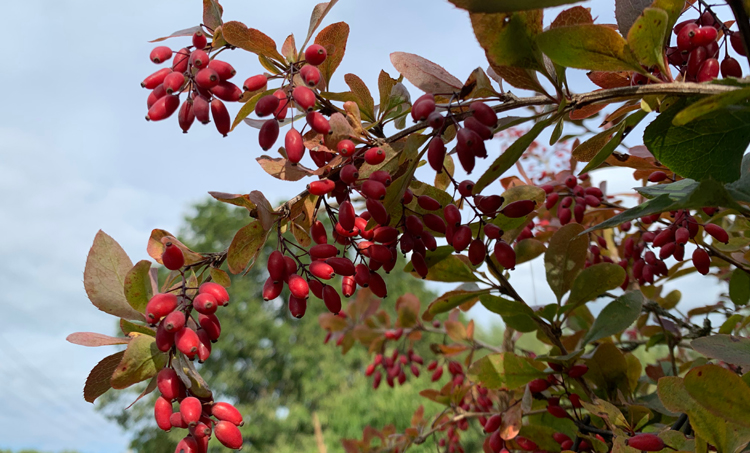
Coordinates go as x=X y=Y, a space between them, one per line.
x=76 y=156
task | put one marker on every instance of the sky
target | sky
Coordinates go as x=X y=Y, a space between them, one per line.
x=76 y=156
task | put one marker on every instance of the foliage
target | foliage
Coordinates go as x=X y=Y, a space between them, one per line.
x=590 y=387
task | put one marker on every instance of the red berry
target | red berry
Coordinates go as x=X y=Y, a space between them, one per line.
x=160 y=306
x=227 y=412
x=222 y=68
x=207 y=78
x=320 y=188
x=219 y=292
x=373 y=189
x=310 y=74
x=567 y=445
x=465 y=188
x=685 y=37
x=199 y=59
x=180 y=60
x=163 y=108
x=577 y=371
x=717 y=232
x=173 y=82
x=191 y=409
x=266 y=105
x=318 y=123
x=294 y=145
x=526 y=444
x=484 y=113
x=645 y=442
x=657 y=176
x=731 y=68
x=210 y=323
x=298 y=286
x=557 y=411
x=156 y=79
x=384 y=177
x=348 y=286
x=162 y=413
x=186 y=116
x=304 y=97
x=520 y=208
x=434 y=222
x=477 y=252
x=374 y=156
x=560 y=437
x=221 y=117
x=160 y=54
x=205 y=303
x=268 y=134
x=436 y=120
x=709 y=70
x=272 y=289
x=347 y=217
x=466 y=156
x=227 y=91
x=164 y=340
x=186 y=341
x=436 y=153
x=575 y=400
x=484 y=132
x=199 y=40
x=422 y=108
x=505 y=255
x=201 y=107
x=174 y=321
x=315 y=54
x=452 y=215
x=173 y=258
x=255 y=83
x=461 y=238
x=332 y=299
x=696 y=57
x=228 y=434
x=493 y=423
x=736 y=40
x=538 y=385
x=345 y=148
x=377 y=285
x=704 y=36
x=377 y=211
x=551 y=200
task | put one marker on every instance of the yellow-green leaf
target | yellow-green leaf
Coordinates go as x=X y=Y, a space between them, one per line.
x=509 y=39
x=137 y=285
x=710 y=104
x=142 y=360
x=565 y=257
x=585 y=46
x=593 y=281
x=720 y=391
x=362 y=93
x=646 y=37
x=245 y=246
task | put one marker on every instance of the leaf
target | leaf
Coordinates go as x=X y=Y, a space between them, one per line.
x=250 y=39
x=627 y=12
x=333 y=38
x=591 y=147
x=157 y=244
x=710 y=104
x=606 y=79
x=726 y=436
x=282 y=169
x=721 y=392
x=510 y=156
x=508 y=39
x=212 y=12
x=152 y=384
x=266 y=213
x=246 y=245
x=289 y=49
x=515 y=314
x=727 y=348
x=407 y=308
x=606 y=410
x=92 y=339
x=525 y=79
x=249 y=107
x=385 y=87
x=127 y=327
x=97 y=383
x=106 y=267
x=142 y=360
x=573 y=16
x=442 y=267
x=233 y=199
x=316 y=18
x=179 y=33
x=565 y=257
x=505 y=370
x=607 y=150
x=593 y=281
x=137 y=285
x=506 y=6
x=455 y=330
x=617 y=316
x=424 y=74
x=710 y=147
x=443 y=179
x=585 y=46
x=478 y=86
x=453 y=299
x=364 y=98
x=528 y=249
x=220 y=277
x=646 y=37
x=739 y=287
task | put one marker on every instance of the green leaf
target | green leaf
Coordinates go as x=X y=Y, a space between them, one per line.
x=709 y=147
x=721 y=392
x=510 y=156
x=507 y=6
x=593 y=47
x=97 y=383
x=727 y=348
x=442 y=266
x=646 y=37
x=593 y=281
x=515 y=314
x=127 y=327
x=506 y=370
x=683 y=194
x=617 y=316
x=739 y=287
x=565 y=257
x=608 y=369
x=726 y=436
x=528 y=249
x=607 y=150
x=142 y=360
x=107 y=266
x=541 y=435
x=508 y=39
x=137 y=285
x=247 y=243
x=710 y=104
x=453 y=299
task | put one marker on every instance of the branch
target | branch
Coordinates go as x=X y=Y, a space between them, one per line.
x=717 y=253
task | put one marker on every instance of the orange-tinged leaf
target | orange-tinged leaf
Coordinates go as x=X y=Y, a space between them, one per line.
x=512 y=421
x=282 y=169
x=364 y=98
x=289 y=49
x=573 y=16
x=212 y=12
x=246 y=246
x=92 y=339
x=157 y=244
x=333 y=38
x=250 y=39
x=586 y=111
x=231 y=198
x=591 y=147
x=424 y=74
x=450 y=350
x=97 y=383
x=316 y=18
x=609 y=79
x=107 y=265
x=331 y=322
x=179 y=33
x=456 y=330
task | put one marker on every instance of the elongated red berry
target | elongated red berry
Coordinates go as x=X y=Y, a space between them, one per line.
x=173 y=258
x=477 y=251
x=719 y=233
x=322 y=187
x=505 y=255
x=227 y=412
x=186 y=116
x=315 y=54
x=219 y=292
x=348 y=286
x=163 y=108
x=174 y=321
x=466 y=156
x=378 y=211
x=484 y=132
x=645 y=441
x=224 y=70
x=162 y=412
x=187 y=445
x=207 y=78
x=227 y=91
x=199 y=39
x=577 y=371
x=205 y=303
x=221 y=117
x=310 y=74
x=484 y=113
x=520 y=208
x=277 y=266
x=709 y=70
x=294 y=145
x=202 y=109
x=169 y=384
x=266 y=105
x=373 y=189
x=321 y=269
x=180 y=60
x=377 y=285
x=210 y=323
x=186 y=341
x=374 y=156
x=268 y=134
x=422 y=108
x=436 y=153
x=318 y=123
x=160 y=54
x=204 y=345
x=272 y=289
x=159 y=306
x=164 y=340
x=173 y=82
x=190 y=409
x=538 y=385
x=461 y=238
x=155 y=94
x=199 y=59
x=332 y=299
x=255 y=83
x=347 y=215
x=701 y=261
x=526 y=444
x=557 y=411
x=730 y=67
x=228 y=434
x=304 y=97
x=156 y=79
x=298 y=286
x=349 y=174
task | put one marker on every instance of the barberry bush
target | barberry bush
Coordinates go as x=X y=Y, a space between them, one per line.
x=674 y=62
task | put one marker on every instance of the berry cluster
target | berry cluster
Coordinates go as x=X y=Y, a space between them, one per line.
x=393 y=365
x=201 y=418
x=296 y=91
x=574 y=198
x=205 y=80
